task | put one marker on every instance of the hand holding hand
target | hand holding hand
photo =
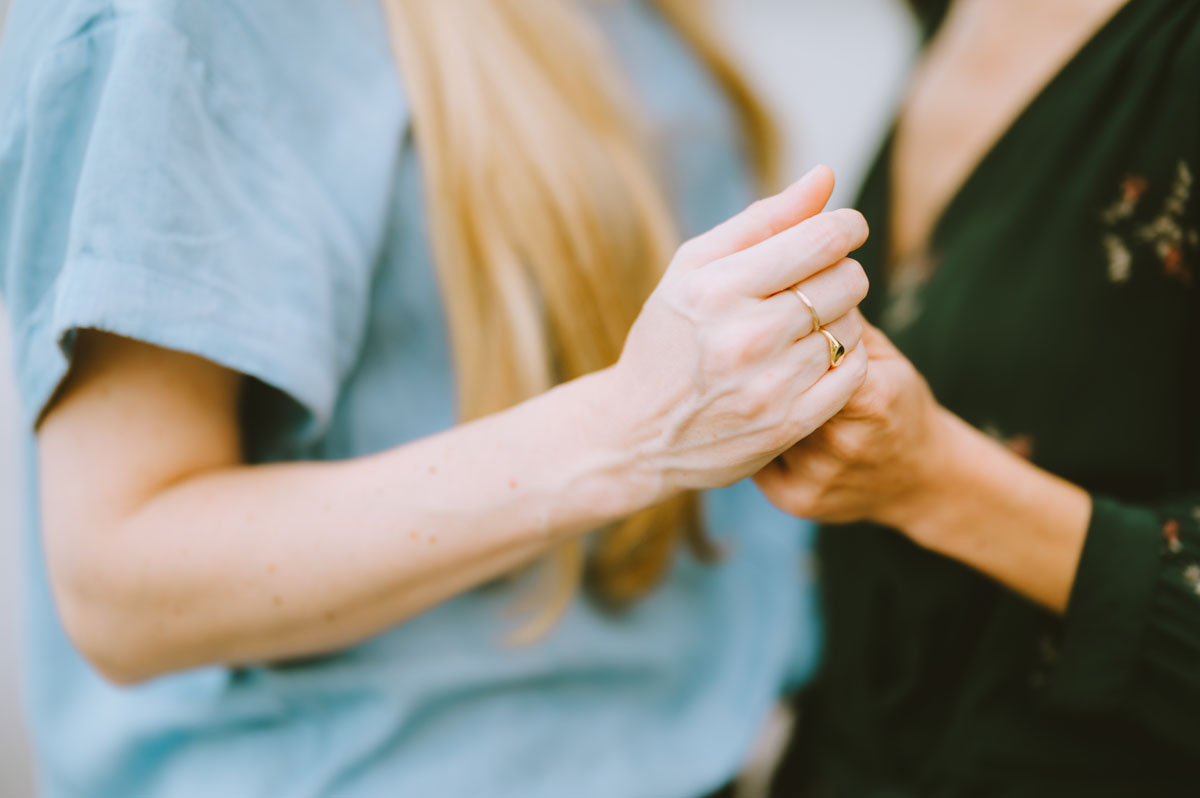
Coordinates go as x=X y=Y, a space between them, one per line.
x=722 y=370
x=871 y=461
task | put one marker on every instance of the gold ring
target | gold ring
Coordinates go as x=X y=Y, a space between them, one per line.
x=812 y=311
x=837 y=352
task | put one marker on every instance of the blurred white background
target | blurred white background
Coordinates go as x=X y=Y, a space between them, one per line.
x=15 y=777
x=830 y=69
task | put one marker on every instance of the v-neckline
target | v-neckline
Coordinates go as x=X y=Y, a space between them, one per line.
x=982 y=165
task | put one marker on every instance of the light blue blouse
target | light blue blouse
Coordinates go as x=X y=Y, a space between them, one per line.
x=235 y=178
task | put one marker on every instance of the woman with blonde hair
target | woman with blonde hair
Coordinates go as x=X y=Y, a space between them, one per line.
x=346 y=378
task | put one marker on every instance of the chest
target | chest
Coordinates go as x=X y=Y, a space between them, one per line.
x=989 y=60
x=1055 y=296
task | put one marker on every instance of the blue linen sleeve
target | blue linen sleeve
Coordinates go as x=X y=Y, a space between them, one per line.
x=158 y=192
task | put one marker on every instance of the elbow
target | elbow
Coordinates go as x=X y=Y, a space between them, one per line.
x=103 y=622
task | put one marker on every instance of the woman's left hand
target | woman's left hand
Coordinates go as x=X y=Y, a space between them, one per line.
x=896 y=457
x=871 y=460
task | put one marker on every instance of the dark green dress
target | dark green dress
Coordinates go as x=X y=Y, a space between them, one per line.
x=1056 y=308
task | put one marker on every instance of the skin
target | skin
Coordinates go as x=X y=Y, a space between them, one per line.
x=166 y=552
x=893 y=455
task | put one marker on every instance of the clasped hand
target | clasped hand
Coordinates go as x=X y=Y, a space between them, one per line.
x=876 y=459
x=723 y=369
x=723 y=375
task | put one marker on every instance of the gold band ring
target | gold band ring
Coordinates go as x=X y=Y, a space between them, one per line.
x=837 y=352
x=812 y=311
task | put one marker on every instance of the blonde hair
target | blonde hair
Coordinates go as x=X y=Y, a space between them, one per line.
x=548 y=224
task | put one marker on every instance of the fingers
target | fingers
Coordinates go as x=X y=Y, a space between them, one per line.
x=795 y=254
x=848 y=330
x=802 y=365
x=818 y=391
x=833 y=292
x=809 y=358
x=762 y=220
x=833 y=389
x=788 y=490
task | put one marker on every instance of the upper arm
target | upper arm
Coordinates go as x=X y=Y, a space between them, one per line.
x=176 y=174
x=130 y=420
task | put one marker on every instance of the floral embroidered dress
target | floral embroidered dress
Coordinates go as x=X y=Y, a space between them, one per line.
x=1057 y=307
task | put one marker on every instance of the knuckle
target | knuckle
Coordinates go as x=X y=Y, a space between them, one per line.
x=855 y=218
x=849 y=447
x=858 y=281
x=851 y=228
x=835 y=238
x=695 y=294
x=856 y=226
x=825 y=231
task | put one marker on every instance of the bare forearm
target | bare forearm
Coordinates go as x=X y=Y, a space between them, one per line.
x=165 y=552
x=265 y=562
x=988 y=508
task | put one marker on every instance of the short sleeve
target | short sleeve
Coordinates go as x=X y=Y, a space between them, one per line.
x=179 y=183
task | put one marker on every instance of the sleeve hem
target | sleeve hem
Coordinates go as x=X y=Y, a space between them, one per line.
x=1109 y=605
x=203 y=325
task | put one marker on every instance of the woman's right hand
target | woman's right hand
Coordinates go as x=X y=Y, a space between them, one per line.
x=722 y=370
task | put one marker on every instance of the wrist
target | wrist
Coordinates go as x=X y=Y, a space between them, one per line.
x=619 y=481
x=935 y=473
x=990 y=509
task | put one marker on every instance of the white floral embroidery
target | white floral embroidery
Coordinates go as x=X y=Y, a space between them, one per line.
x=1191 y=575
x=1167 y=234
x=1132 y=188
x=1119 y=259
